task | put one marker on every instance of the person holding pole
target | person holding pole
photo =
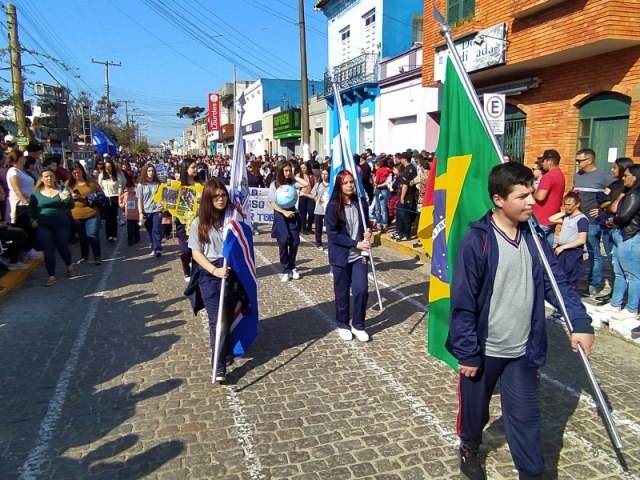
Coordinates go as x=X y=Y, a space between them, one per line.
x=497 y=324
x=206 y=236
x=348 y=239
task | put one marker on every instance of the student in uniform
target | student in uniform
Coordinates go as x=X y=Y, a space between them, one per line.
x=188 y=178
x=285 y=221
x=206 y=236
x=348 y=239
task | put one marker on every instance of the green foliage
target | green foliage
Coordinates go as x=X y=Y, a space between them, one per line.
x=190 y=112
x=141 y=147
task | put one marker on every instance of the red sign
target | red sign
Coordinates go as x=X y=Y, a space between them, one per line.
x=214 y=112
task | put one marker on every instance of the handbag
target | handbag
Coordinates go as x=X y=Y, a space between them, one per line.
x=97 y=199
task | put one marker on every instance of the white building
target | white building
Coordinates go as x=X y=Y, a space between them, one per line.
x=403 y=107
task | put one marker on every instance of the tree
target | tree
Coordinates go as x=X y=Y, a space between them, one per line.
x=190 y=112
x=141 y=147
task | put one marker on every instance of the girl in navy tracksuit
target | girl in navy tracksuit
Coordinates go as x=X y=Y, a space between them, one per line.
x=348 y=238
x=285 y=222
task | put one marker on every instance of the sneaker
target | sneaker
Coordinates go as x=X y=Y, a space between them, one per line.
x=360 y=335
x=393 y=235
x=319 y=248
x=82 y=260
x=187 y=278
x=624 y=314
x=285 y=277
x=152 y=254
x=635 y=332
x=32 y=254
x=220 y=377
x=18 y=266
x=593 y=291
x=402 y=239
x=608 y=308
x=295 y=275
x=97 y=261
x=470 y=463
x=157 y=253
x=345 y=334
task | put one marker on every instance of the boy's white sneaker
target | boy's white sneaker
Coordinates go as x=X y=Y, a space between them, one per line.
x=285 y=277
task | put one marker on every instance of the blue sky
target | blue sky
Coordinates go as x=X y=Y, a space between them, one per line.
x=173 y=52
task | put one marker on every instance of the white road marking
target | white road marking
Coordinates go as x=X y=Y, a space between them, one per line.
x=32 y=466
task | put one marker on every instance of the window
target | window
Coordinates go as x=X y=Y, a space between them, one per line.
x=459 y=10
x=345 y=44
x=416 y=30
x=369 y=31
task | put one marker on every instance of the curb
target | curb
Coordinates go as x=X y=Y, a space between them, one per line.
x=406 y=248
x=13 y=279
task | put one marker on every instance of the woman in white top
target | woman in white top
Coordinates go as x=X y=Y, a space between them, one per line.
x=112 y=182
x=21 y=186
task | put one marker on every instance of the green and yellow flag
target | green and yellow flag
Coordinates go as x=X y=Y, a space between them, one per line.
x=465 y=156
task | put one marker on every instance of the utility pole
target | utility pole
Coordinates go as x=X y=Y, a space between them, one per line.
x=16 y=71
x=304 y=124
x=126 y=110
x=107 y=64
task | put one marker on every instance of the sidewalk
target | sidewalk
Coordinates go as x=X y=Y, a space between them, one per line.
x=13 y=279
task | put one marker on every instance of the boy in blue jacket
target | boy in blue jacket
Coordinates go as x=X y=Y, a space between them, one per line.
x=497 y=323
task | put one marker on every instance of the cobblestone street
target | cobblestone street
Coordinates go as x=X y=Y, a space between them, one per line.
x=106 y=376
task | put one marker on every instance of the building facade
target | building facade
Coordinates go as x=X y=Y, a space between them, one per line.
x=570 y=71
x=360 y=35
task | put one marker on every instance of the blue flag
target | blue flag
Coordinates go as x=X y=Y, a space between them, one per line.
x=238 y=247
x=342 y=156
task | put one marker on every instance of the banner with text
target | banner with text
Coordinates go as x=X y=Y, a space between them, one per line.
x=214 y=112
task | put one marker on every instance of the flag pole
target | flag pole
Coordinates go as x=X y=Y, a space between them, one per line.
x=346 y=147
x=225 y=262
x=466 y=81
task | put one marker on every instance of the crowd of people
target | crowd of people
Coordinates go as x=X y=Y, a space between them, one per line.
x=45 y=208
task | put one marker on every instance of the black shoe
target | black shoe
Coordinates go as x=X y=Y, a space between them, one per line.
x=470 y=463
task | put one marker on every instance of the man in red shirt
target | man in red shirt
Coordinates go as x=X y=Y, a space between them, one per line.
x=549 y=193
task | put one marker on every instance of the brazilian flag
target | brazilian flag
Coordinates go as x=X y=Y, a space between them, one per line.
x=465 y=156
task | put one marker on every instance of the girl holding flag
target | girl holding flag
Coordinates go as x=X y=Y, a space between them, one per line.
x=206 y=238
x=348 y=239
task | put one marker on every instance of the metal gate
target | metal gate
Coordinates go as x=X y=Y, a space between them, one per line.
x=512 y=142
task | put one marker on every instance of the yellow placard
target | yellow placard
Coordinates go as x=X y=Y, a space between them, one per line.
x=181 y=202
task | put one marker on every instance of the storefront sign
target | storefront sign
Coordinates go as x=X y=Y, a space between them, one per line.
x=214 y=112
x=287 y=124
x=485 y=49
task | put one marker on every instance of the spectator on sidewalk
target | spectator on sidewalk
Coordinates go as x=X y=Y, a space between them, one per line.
x=626 y=250
x=21 y=186
x=49 y=213
x=13 y=238
x=406 y=210
x=548 y=195
x=85 y=217
x=382 y=193
x=591 y=182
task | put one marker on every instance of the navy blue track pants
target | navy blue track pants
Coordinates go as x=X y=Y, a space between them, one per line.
x=519 y=395
x=352 y=276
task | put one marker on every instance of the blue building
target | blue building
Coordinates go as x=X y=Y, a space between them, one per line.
x=361 y=33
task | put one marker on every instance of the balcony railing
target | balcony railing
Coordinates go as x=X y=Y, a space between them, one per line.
x=357 y=71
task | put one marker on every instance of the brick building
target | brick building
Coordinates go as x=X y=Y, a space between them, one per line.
x=570 y=70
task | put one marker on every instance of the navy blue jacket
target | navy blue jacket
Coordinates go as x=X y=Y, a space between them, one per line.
x=472 y=287
x=340 y=242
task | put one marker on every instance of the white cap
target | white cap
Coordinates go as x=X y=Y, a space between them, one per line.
x=9 y=139
x=105 y=155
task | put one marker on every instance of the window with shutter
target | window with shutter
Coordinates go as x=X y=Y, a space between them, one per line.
x=458 y=10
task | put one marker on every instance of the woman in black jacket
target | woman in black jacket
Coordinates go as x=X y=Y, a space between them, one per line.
x=626 y=250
